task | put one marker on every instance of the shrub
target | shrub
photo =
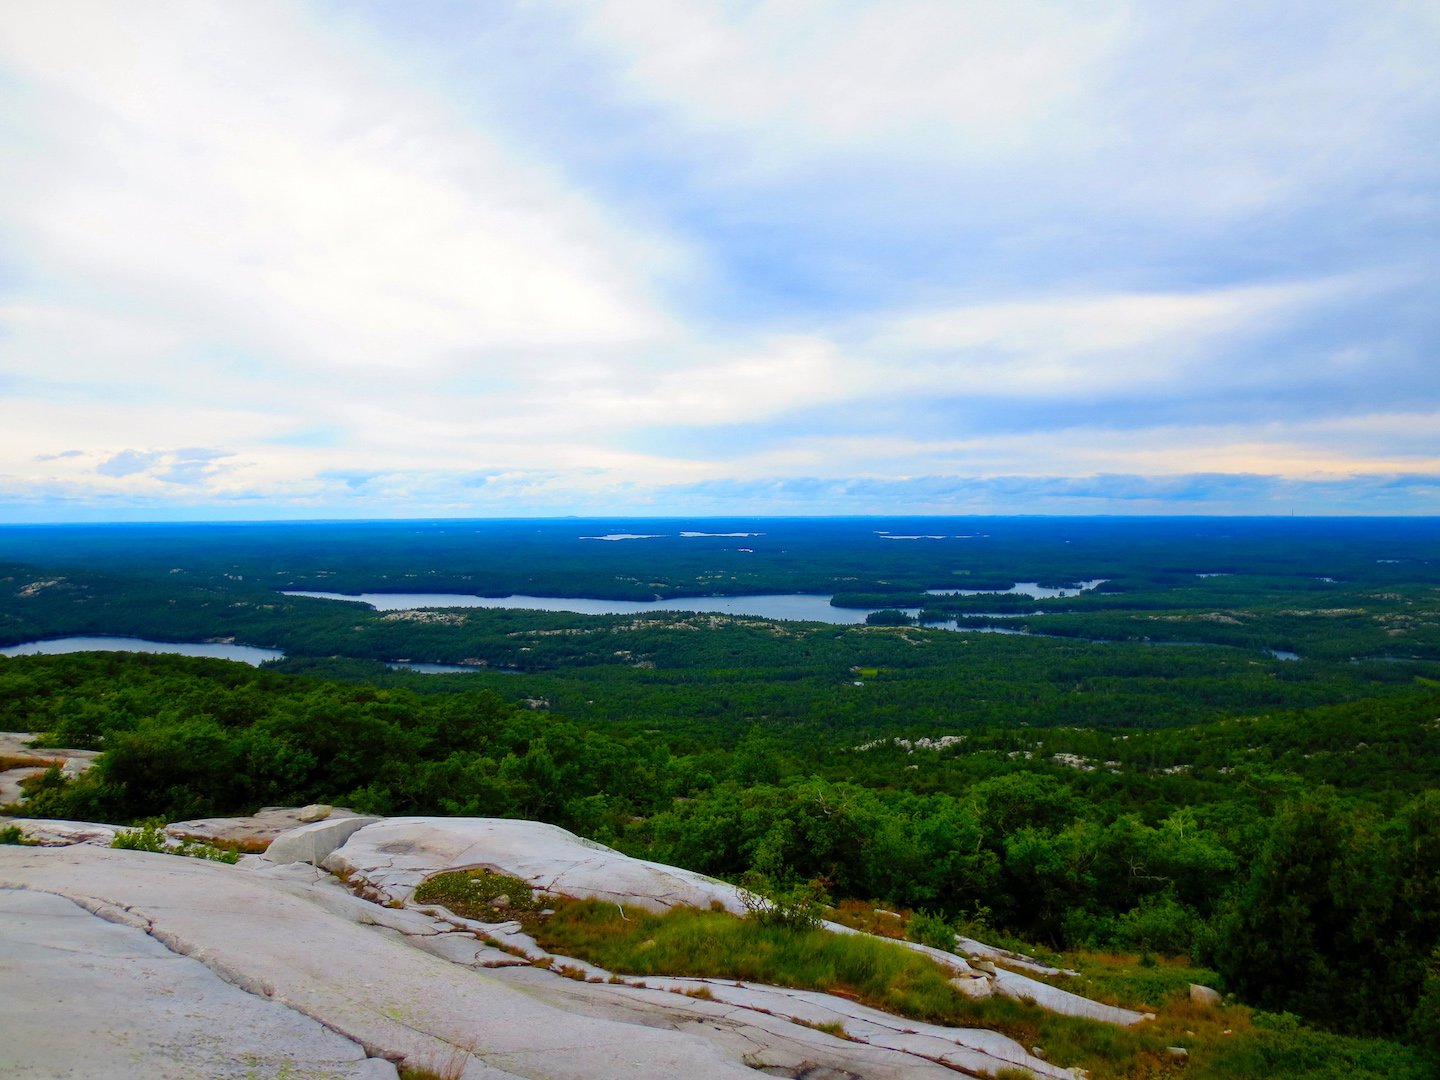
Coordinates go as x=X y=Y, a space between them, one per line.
x=931 y=928
x=151 y=836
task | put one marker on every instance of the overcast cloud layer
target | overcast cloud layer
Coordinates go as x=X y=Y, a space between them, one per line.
x=642 y=257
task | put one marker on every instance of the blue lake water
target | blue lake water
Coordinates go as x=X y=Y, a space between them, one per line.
x=445 y=669
x=1024 y=588
x=806 y=607
x=246 y=654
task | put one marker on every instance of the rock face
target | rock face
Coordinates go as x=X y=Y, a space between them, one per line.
x=49 y=832
x=144 y=1011
x=251 y=833
x=314 y=842
x=426 y=988
x=395 y=855
x=414 y=989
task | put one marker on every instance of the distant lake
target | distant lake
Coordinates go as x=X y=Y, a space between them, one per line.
x=1024 y=588
x=806 y=607
x=446 y=669
x=246 y=654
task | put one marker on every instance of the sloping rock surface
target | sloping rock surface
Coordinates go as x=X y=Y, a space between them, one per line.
x=415 y=988
x=251 y=833
x=393 y=856
x=130 y=1009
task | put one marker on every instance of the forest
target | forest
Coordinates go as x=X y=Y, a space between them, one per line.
x=1145 y=769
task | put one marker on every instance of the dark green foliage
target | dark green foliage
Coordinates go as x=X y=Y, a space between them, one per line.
x=929 y=928
x=1337 y=916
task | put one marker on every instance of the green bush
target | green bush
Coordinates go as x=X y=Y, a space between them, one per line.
x=931 y=928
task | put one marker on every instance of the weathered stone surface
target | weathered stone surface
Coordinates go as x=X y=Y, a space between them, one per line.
x=316 y=812
x=252 y=833
x=313 y=842
x=1023 y=988
x=103 y=999
x=16 y=744
x=978 y=950
x=394 y=855
x=49 y=832
x=300 y=939
x=1204 y=995
x=264 y=935
x=975 y=989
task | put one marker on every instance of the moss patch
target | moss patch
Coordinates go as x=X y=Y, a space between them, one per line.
x=478 y=894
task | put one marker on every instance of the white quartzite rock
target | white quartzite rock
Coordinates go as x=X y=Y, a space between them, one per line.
x=134 y=1010
x=302 y=944
x=314 y=842
x=394 y=855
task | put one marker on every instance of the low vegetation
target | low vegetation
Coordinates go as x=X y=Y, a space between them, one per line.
x=152 y=837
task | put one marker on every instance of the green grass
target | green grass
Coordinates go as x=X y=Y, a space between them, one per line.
x=1224 y=1043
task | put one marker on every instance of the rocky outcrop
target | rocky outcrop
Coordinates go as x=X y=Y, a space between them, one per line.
x=314 y=842
x=414 y=988
x=256 y=831
x=393 y=856
x=423 y=986
x=15 y=746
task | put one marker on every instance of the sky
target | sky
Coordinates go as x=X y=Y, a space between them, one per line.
x=321 y=258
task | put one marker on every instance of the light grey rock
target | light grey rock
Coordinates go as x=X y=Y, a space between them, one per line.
x=1204 y=995
x=104 y=999
x=393 y=856
x=49 y=832
x=1023 y=988
x=252 y=833
x=396 y=1000
x=974 y=989
x=315 y=812
x=16 y=744
x=978 y=950
x=312 y=843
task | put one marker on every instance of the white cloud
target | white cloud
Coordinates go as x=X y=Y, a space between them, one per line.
x=973 y=77
x=228 y=172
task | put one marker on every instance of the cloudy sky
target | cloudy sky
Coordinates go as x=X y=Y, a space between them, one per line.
x=349 y=259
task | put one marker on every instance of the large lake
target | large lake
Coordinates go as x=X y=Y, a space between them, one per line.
x=807 y=607
x=247 y=654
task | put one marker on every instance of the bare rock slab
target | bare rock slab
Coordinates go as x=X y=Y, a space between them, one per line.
x=313 y=842
x=393 y=856
x=103 y=999
x=252 y=833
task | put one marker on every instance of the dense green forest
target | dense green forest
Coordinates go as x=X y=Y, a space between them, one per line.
x=1139 y=771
